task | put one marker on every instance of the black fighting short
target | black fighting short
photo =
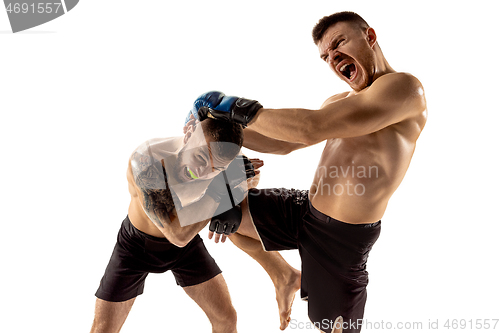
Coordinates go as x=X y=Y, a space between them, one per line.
x=333 y=253
x=136 y=254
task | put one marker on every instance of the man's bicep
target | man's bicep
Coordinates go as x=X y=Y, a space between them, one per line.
x=158 y=205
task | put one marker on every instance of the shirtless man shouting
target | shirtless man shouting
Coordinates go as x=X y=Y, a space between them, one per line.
x=370 y=132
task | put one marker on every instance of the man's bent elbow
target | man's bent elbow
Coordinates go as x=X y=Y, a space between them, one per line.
x=308 y=134
x=179 y=239
x=293 y=147
x=179 y=242
x=283 y=151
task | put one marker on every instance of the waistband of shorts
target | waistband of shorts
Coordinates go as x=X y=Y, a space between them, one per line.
x=132 y=229
x=327 y=219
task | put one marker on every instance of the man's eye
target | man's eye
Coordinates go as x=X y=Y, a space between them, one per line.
x=202 y=160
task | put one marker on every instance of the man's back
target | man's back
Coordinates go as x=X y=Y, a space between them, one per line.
x=356 y=176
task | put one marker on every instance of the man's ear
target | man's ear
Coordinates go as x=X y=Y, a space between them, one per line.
x=371 y=36
x=189 y=132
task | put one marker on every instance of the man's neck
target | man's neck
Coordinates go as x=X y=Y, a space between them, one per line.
x=382 y=66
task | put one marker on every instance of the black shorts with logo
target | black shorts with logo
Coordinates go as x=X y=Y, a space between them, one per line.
x=334 y=253
x=136 y=254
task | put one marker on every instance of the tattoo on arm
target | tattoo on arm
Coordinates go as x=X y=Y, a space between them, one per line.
x=156 y=196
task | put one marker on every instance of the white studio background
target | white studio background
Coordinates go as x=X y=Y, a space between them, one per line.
x=80 y=93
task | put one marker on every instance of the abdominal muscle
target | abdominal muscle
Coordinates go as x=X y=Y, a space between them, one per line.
x=357 y=176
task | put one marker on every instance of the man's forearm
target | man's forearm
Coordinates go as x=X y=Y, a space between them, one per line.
x=290 y=125
x=264 y=144
x=181 y=236
x=309 y=127
x=197 y=211
x=189 y=221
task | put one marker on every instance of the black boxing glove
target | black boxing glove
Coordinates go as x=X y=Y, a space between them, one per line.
x=227 y=219
x=227 y=222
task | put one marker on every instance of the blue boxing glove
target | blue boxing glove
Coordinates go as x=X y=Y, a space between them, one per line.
x=216 y=105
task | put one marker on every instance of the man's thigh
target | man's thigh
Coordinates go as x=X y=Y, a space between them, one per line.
x=213 y=298
x=247 y=228
x=274 y=216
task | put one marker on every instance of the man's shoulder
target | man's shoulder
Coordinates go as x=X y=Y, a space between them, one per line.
x=147 y=164
x=334 y=98
x=397 y=89
x=400 y=82
x=170 y=144
x=406 y=92
x=155 y=150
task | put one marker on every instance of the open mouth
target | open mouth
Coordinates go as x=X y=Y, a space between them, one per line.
x=189 y=174
x=348 y=70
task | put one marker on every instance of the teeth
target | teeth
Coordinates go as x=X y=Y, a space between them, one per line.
x=191 y=174
x=344 y=70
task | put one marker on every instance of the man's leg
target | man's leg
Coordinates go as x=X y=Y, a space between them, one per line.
x=337 y=326
x=110 y=316
x=213 y=298
x=286 y=279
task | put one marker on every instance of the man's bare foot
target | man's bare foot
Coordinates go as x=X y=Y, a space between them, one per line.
x=285 y=294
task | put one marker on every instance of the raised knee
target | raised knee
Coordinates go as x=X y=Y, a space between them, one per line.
x=338 y=325
x=246 y=243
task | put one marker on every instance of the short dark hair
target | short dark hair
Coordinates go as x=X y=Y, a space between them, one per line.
x=223 y=131
x=327 y=21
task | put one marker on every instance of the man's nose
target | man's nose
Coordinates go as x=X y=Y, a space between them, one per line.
x=333 y=58
x=203 y=170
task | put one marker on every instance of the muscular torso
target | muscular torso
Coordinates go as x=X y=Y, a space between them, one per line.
x=356 y=176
